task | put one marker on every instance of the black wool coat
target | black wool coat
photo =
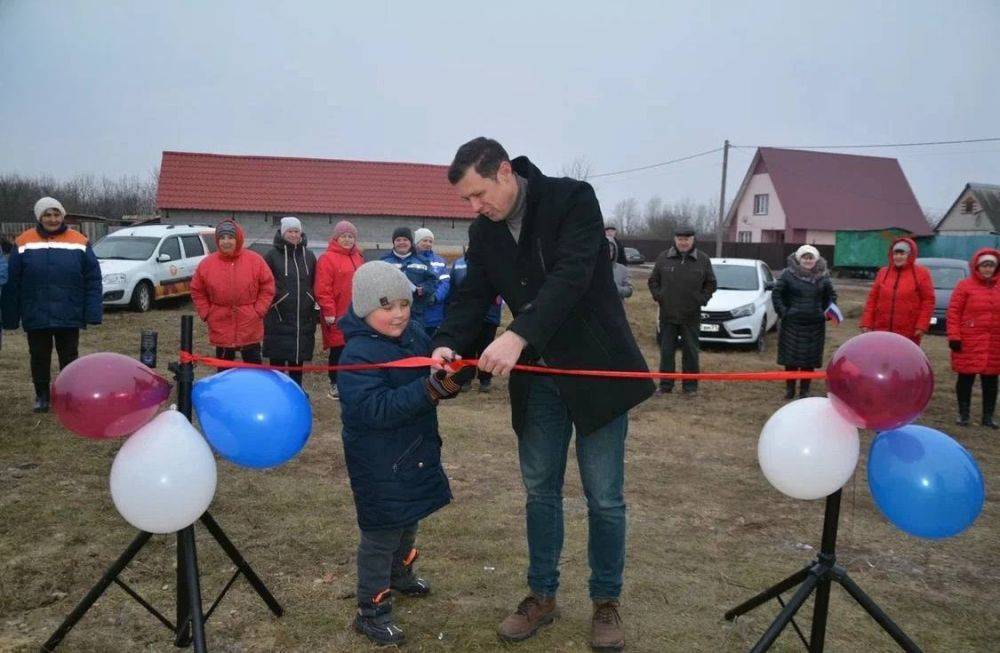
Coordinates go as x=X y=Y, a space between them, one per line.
x=290 y=323
x=801 y=305
x=557 y=280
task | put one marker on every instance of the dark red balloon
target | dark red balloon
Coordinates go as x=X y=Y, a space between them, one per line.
x=107 y=395
x=879 y=380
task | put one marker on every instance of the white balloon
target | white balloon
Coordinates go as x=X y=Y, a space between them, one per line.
x=807 y=450
x=163 y=478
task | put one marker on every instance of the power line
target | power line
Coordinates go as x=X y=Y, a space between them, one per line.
x=658 y=165
x=872 y=145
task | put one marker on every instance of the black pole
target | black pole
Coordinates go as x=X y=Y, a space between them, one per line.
x=184 y=374
x=194 y=590
x=185 y=371
x=827 y=558
x=97 y=590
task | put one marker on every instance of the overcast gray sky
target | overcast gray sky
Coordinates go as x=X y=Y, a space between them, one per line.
x=105 y=87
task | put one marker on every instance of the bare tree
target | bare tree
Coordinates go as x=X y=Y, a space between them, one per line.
x=84 y=194
x=580 y=168
x=627 y=216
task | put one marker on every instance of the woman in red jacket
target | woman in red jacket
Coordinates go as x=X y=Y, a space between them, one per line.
x=334 y=273
x=974 y=334
x=902 y=298
x=232 y=290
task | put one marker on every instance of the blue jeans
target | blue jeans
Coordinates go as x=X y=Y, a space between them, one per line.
x=542 y=447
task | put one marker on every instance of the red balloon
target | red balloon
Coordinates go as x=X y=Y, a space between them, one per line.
x=879 y=380
x=107 y=395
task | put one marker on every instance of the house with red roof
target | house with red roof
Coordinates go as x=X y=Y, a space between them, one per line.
x=800 y=197
x=377 y=196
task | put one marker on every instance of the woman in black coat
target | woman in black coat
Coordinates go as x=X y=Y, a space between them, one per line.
x=290 y=324
x=801 y=296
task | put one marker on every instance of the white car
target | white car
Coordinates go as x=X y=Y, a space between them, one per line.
x=150 y=262
x=740 y=311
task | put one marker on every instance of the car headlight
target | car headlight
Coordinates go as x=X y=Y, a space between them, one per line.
x=745 y=310
x=113 y=279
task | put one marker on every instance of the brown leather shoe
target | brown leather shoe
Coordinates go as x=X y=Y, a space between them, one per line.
x=606 y=633
x=531 y=614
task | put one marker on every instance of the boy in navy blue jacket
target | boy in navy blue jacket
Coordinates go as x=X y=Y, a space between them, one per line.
x=391 y=442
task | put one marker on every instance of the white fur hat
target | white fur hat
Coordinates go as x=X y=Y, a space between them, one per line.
x=806 y=249
x=46 y=203
x=290 y=222
x=421 y=233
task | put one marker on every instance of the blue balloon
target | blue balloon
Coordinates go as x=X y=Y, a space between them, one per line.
x=254 y=418
x=925 y=482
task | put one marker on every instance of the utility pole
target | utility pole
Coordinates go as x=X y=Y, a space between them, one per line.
x=722 y=201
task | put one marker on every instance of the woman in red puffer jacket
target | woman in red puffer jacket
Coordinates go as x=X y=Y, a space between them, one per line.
x=974 y=334
x=334 y=274
x=232 y=290
x=902 y=298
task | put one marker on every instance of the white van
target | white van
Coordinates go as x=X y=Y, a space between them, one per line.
x=145 y=263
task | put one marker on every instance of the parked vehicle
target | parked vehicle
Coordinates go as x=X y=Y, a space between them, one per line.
x=146 y=263
x=740 y=311
x=946 y=273
x=633 y=256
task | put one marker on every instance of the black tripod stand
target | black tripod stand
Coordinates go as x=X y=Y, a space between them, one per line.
x=817 y=577
x=190 y=625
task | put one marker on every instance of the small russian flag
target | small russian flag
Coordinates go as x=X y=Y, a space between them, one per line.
x=834 y=314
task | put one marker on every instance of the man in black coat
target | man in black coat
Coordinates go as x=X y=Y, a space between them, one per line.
x=682 y=281
x=538 y=242
x=611 y=233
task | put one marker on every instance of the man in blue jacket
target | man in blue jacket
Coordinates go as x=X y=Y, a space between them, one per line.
x=54 y=290
x=423 y=240
x=416 y=268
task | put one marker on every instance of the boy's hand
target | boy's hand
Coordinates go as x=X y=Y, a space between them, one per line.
x=441 y=385
x=443 y=355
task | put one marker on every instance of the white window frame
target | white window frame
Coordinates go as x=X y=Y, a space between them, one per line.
x=744 y=236
x=760 y=203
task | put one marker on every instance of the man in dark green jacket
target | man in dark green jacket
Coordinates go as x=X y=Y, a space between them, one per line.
x=682 y=282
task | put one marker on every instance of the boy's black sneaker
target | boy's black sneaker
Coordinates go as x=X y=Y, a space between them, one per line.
x=411 y=585
x=380 y=630
x=405 y=581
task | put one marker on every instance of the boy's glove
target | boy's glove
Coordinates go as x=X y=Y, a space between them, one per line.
x=955 y=345
x=441 y=385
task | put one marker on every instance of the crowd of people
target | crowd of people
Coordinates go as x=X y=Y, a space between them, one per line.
x=538 y=245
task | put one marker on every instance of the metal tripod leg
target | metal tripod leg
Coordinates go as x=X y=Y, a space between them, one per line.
x=241 y=564
x=786 y=614
x=769 y=594
x=888 y=625
x=97 y=590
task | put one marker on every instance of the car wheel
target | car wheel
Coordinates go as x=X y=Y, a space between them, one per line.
x=761 y=343
x=142 y=297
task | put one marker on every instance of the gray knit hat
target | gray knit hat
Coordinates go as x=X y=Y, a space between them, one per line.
x=376 y=284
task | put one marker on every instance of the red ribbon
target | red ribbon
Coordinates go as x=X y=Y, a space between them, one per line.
x=424 y=361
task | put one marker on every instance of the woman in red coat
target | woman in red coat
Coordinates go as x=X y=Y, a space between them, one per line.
x=974 y=334
x=334 y=273
x=232 y=290
x=902 y=298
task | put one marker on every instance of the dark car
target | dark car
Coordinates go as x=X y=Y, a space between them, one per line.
x=633 y=257
x=946 y=273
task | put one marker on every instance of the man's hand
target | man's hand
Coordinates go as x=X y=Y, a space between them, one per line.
x=330 y=320
x=919 y=333
x=443 y=355
x=865 y=329
x=501 y=355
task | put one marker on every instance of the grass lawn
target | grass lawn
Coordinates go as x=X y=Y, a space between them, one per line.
x=706 y=530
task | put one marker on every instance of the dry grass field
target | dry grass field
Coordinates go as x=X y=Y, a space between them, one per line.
x=706 y=530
